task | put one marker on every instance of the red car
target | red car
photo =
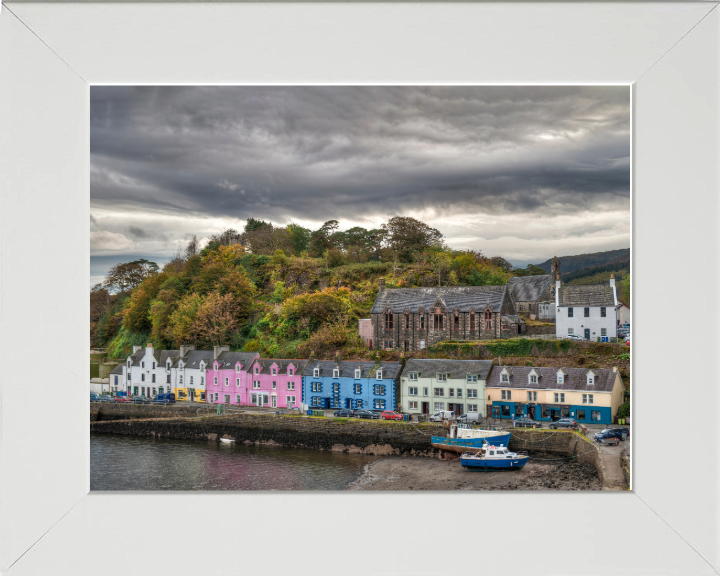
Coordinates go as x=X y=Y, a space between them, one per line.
x=392 y=415
x=121 y=399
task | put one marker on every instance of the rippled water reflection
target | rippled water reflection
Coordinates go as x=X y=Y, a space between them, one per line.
x=135 y=463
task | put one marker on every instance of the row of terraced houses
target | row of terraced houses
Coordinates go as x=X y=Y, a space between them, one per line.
x=421 y=386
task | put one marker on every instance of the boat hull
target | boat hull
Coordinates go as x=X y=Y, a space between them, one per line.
x=491 y=465
x=465 y=444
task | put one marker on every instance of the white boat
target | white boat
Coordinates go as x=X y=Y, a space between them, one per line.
x=226 y=440
x=493 y=457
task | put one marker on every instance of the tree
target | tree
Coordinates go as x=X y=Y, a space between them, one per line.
x=253 y=224
x=300 y=238
x=136 y=316
x=625 y=289
x=216 y=320
x=125 y=277
x=99 y=302
x=408 y=237
x=500 y=262
x=266 y=239
x=193 y=247
x=320 y=239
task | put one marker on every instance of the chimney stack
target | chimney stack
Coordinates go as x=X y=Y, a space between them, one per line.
x=136 y=349
x=185 y=348
x=149 y=347
x=614 y=368
x=381 y=283
x=217 y=350
x=612 y=280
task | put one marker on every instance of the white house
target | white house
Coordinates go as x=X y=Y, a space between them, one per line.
x=589 y=311
x=145 y=372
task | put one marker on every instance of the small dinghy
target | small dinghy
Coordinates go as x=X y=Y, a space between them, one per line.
x=228 y=440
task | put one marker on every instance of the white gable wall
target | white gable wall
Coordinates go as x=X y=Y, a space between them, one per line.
x=595 y=322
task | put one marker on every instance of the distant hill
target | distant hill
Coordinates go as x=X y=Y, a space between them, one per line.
x=599 y=274
x=572 y=263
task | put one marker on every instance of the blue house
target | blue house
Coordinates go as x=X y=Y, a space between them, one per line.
x=351 y=384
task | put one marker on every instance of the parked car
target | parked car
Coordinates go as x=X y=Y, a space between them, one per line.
x=366 y=414
x=94 y=397
x=573 y=337
x=442 y=415
x=140 y=400
x=392 y=415
x=627 y=342
x=164 y=399
x=608 y=434
x=105 y=398
x=564 y=423
x=121 y=399
x=469 y=417
x=525 y=422
x=344 y=413
x=625 y=431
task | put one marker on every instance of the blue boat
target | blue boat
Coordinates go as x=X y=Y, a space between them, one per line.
x=464 y=438
x=493 y=457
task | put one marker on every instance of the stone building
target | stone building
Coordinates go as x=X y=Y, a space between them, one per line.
x=528 y=291
x=414 y=318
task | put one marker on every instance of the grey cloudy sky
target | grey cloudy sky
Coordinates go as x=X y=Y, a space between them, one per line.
x=521 y=172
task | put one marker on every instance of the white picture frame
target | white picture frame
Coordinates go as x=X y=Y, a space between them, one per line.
x=49 y=56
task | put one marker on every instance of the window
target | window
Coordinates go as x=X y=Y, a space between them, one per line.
x=406 y=345
x=590 y=380
x=422 y=321
x=274 y=371
x=595 y=415
x=587 y=399
x=336 y=373
x=316 y=387
x=215 y=380
x=413 y=377
x=202 y=380
x=442 y=377
x=407 y=321
x=142 y=364
x=413 y=405
x=142 y=377
x=507 y=395
x=316 y=372
x=191 y=380
x=456 y=321
x=291 y=385
x=253 y=399
x=533 y=378
x=439 y=406
x=237 y=381
x=532 y=396
x=488 y=320
x=451 y=392
x=378 y=375
x=472 y=393
x=505 y=410
x=290 y=400
x=518 y=410
x=129 y=376
x=587 y=312
x=559 y=397
x=227 y=381
x=237 y=398
x=256 y=384
x=472 y=407
x=237 y=368
x=257 y=370
x=388 y=321
x=388 y=344
x=570 y=312
x=153 y=377
x=438 y=322
x=603 y=331
x=560 y=378
x=472 y=377
x=459 y=392
x=180 y=379
x=603 y=313
x=505 y=378
x=571 y=330
x=581 y=414
x=426 y=392
x=379 y=390
x=290 y=371
x=168 y=378
x=379 y=404
x=357 y=373
x=274 y=384
x=412 y=391
x=439 y=392
x=472 y=320
x=358 y=403
x=358 y=388
x=216 y=397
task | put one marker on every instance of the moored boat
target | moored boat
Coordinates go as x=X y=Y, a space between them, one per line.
x=492 y=457
x=465 y=438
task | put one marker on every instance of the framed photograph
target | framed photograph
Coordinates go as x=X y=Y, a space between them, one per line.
x=55 y=55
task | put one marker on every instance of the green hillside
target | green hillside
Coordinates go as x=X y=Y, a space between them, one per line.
x=572 y=263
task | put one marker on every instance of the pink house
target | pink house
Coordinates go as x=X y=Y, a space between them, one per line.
x=275 y=383
x=228 y=378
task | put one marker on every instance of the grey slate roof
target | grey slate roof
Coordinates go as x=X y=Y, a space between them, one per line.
x=193 y=357
x=528 y=288
x=229 y=359
x=118 y=369
x=428 y=368
x=348 y=367
x=282 y=365
x=514 y=319
x=575 y=379
x=586 y=295
x=464 y=297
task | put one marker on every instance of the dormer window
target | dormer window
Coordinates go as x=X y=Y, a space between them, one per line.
x=257 y=370
x=560 y=378
x=504 y=377
x=316 y=372
x=336 y=372
x=533 y=378
x=442 y=377
x=216 y=366
x=290 y=371
x=237 y=368
x=274 y=371
x=413 y=376
x=357 y=373
x=590 y=380
x=168 y=365
x=129 y=364
x=378 y=375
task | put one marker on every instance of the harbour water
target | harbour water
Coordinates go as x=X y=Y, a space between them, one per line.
x=139 y=463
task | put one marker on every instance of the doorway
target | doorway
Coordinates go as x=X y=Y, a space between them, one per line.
x=191 y=394
x=426 y=407
x=554 y=415
x=274 y=401
x=587 y=333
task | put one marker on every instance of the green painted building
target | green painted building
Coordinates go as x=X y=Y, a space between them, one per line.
x=430 y=385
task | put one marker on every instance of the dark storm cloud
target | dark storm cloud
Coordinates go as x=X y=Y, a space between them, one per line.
x=316 y=153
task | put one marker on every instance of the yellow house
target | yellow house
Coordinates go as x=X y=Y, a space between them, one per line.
x=590 y=396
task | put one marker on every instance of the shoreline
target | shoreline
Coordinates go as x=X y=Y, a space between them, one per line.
x=409 y=474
